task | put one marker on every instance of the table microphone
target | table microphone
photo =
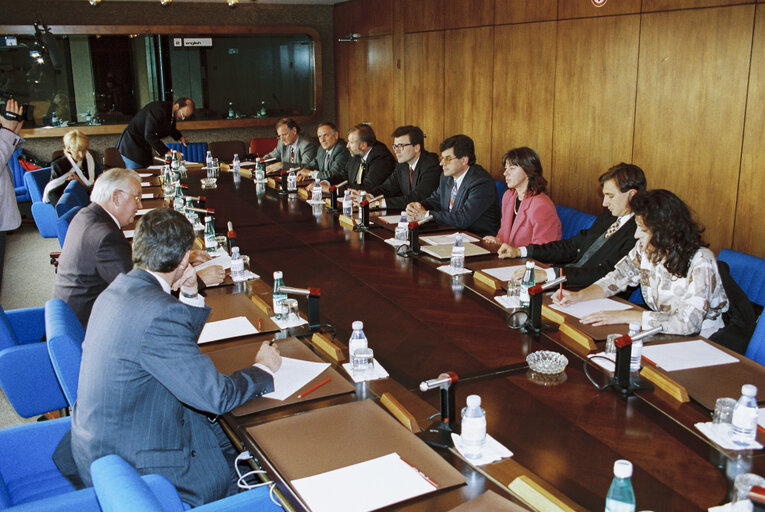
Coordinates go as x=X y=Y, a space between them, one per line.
x=442 y=380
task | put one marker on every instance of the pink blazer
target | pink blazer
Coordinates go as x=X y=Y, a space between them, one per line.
x=537 y=221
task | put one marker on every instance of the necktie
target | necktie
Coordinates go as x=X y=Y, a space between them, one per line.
x=613 y=228
x=292 y=154
x=360 y=174
x=326 y=162
x=453 y=196
x=411 y=173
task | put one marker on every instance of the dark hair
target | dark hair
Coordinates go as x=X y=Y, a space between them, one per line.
x=627 y=177
x=528 y=160
x=366 y=133
x=161 y=238
x=327 y=123
x=463 y=146
x=675 y=236
x=183 y=101
x=415 y=134
x=288 y=122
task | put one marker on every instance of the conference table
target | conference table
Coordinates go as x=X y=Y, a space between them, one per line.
x=565 y=434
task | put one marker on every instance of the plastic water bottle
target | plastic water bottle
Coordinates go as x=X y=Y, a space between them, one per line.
x=231 y=114
x=637 y=348
x=209 y=160
x=621 y=496
x=402 y=228
x=168 y=183
x=347 y=204
x=211 y=244
x=458 y=253
x=744 y=421
x=316 y=192
x=358 y=341
x=279 y=297
x=179 y=203
x=262 y=111
x=237 y=265
x=236 y=165
x=473 y=428
x=291 y=182
x=529 y=280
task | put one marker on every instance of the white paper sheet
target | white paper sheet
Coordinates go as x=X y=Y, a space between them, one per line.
x=144 y=211
x=247 y=276
x=395 y=242
x=145 y=174
x=129 y=233
x=291 y=322
x=447 y=239
x=224 y=260
x=147 y=196
x=228 y=328
x=160 y=166
x=362 y=487
x=582 y=309
x=377 y=372
x=684 y=355
x=761 y=417
x=505 y=273
x=147 y=184
x=448 y=269
x=292 y=375
x=390 y=219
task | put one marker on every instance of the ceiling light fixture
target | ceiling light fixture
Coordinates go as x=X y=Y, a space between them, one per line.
x=165 y=3
x=232 y=3
x=94 y=3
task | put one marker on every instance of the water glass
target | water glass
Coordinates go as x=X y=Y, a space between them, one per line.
x=611 y=343
x=222 y=242
x=723 y=410
x=513 y=294
x=290 y=308
x=361 y=360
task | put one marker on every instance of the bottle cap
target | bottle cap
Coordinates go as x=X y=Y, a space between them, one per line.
x=234 y=250
x=529 y=264
x=236 y=155
x=208 y=218
x=749 y=390
x=622 y=468
x=474 y=401
x=278 y=274
x=357 y=325
x=635 y=326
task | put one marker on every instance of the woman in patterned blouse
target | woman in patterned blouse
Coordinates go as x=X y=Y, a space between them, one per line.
x=677 y=274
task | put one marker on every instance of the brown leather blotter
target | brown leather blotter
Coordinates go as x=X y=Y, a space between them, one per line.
x=232 y=359
x=238 y=304
x=596 y=333
x=443 y=252
x=489 y=501
x=335 y=437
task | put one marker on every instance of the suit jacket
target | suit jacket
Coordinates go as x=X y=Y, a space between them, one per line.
x=600 y=263
x=305 y=151
x=537 y=221
x=146 y=130
x=145 y=390
x=10 y=218
x=380 y=164
x=337 y=159
x=476 y=207
x=95 y=252
x=396 y=189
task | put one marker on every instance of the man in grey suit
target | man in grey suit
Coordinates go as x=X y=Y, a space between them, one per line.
x=292 y=149
x=331 y=157
x=146 y=390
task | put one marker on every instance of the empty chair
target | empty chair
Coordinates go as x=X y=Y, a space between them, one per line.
x=748 y=271
x=79 y=191
x=62 y=224
x=17 y=173
x=225 y=151
x=65 y=337
x=112 y=158
x=262 y=145
x=573 y=221
x=756 y=348
x=44 y=214
x=194 y=151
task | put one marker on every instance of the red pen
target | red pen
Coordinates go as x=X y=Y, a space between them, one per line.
x=320 y=384
x=260 y=324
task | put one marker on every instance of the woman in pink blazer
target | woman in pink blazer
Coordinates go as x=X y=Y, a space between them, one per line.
x=528 y=214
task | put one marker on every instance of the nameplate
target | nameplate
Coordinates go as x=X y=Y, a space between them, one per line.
x=323 y=343
x=347 y=222
x=303 y=194
x=486 y=280
x=536 y=496
x=271 y=183
x=578 y=337
x=263 y=305
x=661 y=381
x=399 y=412
x=552 y=315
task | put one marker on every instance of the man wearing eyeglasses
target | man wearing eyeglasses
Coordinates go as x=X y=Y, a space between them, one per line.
x=96 y=251
x=466 y=196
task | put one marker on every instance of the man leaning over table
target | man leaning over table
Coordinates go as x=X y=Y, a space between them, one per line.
x=292 y=148
x=593 y=252
x=146 y=392
x=331 y=156
x=96 y=251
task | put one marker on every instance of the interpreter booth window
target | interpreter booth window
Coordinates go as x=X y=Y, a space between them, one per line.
x=91 y=79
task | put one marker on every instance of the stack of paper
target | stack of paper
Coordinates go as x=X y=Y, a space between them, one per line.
x=505 y=273
x=447 y=239
x=292 y=375
x=582 y=309
x=228 y=328
x=684 y=355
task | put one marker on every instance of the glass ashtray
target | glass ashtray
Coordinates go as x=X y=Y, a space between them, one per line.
x=547 y=362
x=208 y=182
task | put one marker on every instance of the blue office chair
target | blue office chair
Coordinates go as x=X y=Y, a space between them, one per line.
x=65 y=337
x=748 y=271
x=17 y=173
x=573 y=221
x=756 y=348
x=44 y=214
x=80 y=193
x=62 y=223
x=120 y=489
x=501 y=189
x=194 y=152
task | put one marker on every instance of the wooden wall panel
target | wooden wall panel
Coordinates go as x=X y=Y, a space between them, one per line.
x=342 y=85
x=424 y=85
x=667 y=5
x=585 y=9
x=467 y=87
x=427 y=15
x=523 y=92
x=594 y=105
x=749 y=232
x=365 y=17
x=523 y=11
x=690 y=108
x=468 y=13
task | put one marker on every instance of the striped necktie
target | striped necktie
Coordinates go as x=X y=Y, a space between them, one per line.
x=411 y=174
x=292 y=154
x=453 y=196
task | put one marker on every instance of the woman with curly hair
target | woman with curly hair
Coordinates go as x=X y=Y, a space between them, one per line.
x=677 y=274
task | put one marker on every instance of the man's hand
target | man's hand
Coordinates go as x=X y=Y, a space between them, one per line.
x=212 y=275
x=187 y=283
x=268 y=355
x=14 y=126
x=198 y=256
x=540 y=276
x=612 y=317
x=184 y=141
x=276 y=166
x=355 y=196
x=303 y=174
x=508 y=251
x=415 y=211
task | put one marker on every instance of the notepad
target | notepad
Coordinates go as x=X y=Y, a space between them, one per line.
x=224 y=260
x=443 y=252
x=506 y=273
x=362 y=487
x=447 y=239
x=684 y=355
x=292 y=375
x=390 y=219
x=144 y=211
x=582 y=309
x=228 y=328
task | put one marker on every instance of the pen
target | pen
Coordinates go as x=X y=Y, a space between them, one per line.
x=320 y=384
x=423 y=475
x=260 y=324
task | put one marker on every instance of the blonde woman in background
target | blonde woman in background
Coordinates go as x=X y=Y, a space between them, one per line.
x=76 y=164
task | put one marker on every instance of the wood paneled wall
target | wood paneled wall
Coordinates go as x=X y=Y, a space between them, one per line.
x=675 y=86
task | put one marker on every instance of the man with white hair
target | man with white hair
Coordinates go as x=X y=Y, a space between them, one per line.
x=95 y=249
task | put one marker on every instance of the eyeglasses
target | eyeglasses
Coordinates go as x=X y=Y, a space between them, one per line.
x=399 y=147
x=137 y=198
x=446 y=159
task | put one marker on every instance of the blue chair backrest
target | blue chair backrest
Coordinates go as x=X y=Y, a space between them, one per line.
x=65 y=336
x=756 y=348
x=8 y=336
x=80 y=192
x=573 y=221
x=62 y=223
x=194 y=152
x=501 y=189
x=749 y=273
x=17 y=173
x=68 y=201
x=35 y=182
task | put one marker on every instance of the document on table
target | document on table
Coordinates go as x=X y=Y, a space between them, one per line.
x=224 y=260
x=684 y=355
x=144 y=211
x=447 y=239
x=390 y=219
x=147 y=184
x=292 y=375
x=145 y=174
x=228 y=328
x=582 y=309
x=365 y=486
x=148 y=195
x=505 y=273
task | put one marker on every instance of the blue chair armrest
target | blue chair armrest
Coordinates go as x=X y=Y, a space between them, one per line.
x=45 y=218
x=27 y=323
x=119 y=487
x=83 y=500
x=28 y=380
x=255 y=499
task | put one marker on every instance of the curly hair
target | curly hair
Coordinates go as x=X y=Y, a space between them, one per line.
x=675 y=236
x=528 y=160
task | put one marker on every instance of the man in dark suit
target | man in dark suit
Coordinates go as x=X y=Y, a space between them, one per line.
x=146 y=392
x=330 y=158
x=417 y=174
x=466 y=196
x=371 y=161
x=592 y=253
x=292 y=149
x=148 y=127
